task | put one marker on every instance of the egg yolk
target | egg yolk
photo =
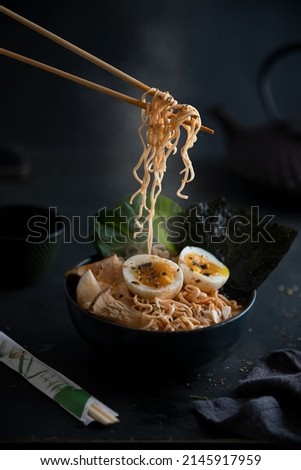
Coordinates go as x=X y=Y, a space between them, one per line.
x=203 y=266
x=154 y=274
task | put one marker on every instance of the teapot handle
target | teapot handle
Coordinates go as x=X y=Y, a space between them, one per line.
x=264 y=83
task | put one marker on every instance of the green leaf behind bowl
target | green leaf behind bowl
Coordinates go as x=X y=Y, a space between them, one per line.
x=114 y=229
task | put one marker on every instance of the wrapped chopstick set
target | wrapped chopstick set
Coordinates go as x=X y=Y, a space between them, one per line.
x=56 y=386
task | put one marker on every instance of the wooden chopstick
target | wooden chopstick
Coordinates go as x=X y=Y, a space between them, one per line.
x=101 y=415
x=73 y=48
x=73 y=78
x=86 y=55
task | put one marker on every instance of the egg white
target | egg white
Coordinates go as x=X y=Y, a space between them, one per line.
x=202 y=269
x=151 y=276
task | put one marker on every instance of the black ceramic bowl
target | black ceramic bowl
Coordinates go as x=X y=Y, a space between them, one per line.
x=156 y=349
x=30 y=237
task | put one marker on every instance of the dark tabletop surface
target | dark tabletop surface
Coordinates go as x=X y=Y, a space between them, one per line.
x=80 y=150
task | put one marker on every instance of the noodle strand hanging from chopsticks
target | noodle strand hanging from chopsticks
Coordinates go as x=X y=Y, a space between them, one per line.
x=160 y=132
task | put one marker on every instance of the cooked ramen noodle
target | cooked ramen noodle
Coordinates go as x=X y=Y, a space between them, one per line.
x=191 y=309
x=133 y=295
x=160 y=132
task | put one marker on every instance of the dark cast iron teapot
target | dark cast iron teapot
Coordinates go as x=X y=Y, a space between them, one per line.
x=269 y=155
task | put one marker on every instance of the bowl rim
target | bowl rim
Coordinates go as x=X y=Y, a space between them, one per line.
x=252 y=297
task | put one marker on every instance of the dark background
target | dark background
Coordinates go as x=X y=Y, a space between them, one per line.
x=204 y=52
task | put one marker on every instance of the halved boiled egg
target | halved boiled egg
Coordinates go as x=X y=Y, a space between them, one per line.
x=202 y=269
x=151 y=276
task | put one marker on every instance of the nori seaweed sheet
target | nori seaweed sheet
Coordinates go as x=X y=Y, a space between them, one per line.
x=249 y=244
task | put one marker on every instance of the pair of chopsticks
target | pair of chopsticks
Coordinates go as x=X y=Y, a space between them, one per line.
x=84 y=54
x=52 y=383
x=99 y=414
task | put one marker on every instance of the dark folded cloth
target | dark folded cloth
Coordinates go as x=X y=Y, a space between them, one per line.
x=266 y=405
